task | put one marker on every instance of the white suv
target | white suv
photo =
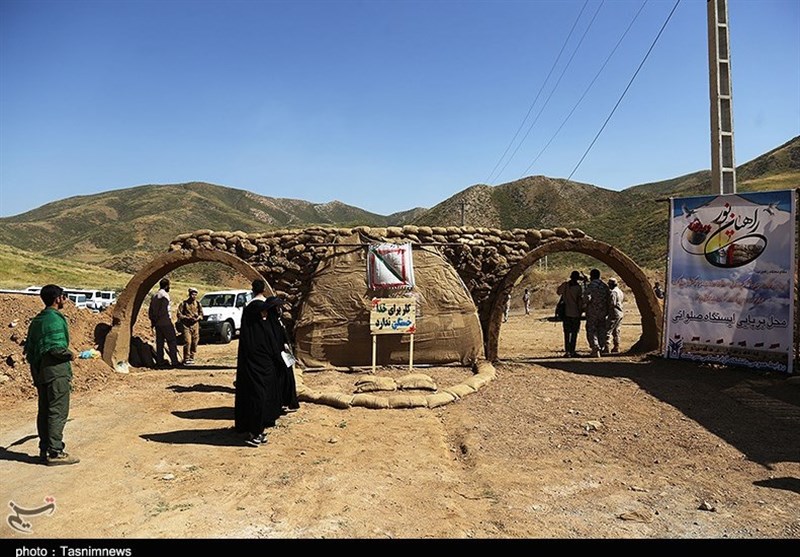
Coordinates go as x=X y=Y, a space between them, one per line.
x=222 y=314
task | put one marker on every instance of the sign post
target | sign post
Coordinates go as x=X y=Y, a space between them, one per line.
x=393 y=316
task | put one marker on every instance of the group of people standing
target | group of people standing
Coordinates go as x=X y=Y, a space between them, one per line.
x=189 y=315
x=601 y=302
x=265 y=384
x=526 y=301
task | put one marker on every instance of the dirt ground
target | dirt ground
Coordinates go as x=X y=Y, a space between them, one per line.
x=624 y=447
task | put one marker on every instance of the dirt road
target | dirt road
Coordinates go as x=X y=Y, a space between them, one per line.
x=623 y=447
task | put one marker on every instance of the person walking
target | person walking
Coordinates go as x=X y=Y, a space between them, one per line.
x=596 y=304
x=572 y=293
x=526 y=299
x=160 y=314
x=507 y=308
x=190 y=313
x=47 y=351
x=615 y=314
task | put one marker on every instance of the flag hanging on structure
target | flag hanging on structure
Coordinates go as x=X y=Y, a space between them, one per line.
x=390 y=266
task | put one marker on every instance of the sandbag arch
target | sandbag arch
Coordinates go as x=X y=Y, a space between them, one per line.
x=117 y=344
x=622 y=265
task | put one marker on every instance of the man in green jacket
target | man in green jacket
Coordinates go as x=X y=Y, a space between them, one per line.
x=47 y=351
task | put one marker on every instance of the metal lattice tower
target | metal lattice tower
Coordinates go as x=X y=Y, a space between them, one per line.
x=723 y=167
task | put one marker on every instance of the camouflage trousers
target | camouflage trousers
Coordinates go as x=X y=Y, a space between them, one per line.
x=596 y=332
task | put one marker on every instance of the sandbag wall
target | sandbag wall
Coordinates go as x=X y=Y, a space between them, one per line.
x=288 y=258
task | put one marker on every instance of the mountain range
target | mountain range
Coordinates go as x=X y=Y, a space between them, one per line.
x=122 y=229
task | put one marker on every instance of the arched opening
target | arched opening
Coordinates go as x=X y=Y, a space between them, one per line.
x=116 y=348
x=622 y=265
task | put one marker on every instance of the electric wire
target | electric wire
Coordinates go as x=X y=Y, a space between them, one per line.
x=613 y=110
x=554 y=89
x=588 y=88
x=530 y=108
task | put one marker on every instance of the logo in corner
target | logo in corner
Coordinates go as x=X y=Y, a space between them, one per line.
x=20 y=524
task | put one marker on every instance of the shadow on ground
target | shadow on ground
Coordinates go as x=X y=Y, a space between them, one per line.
x=218 y=413
x=218 y=437
x=765 y=405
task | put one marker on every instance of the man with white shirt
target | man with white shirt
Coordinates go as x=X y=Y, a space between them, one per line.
x=160 y=314
x=615 y=314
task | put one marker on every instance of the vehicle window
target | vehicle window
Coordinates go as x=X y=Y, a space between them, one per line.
x=241 y=300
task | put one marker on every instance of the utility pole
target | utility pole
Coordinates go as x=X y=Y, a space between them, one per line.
x=723 y=167
x=463 y=216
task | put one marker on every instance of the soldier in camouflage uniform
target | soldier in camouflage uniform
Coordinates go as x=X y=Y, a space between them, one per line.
x=596 y=301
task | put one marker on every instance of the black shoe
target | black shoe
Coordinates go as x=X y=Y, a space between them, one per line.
x=61 y=458
x=257 y=440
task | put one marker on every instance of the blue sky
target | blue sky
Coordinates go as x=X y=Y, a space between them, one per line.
x=381 y=105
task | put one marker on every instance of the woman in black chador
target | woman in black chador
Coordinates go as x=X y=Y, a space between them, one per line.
x=279 y=339
x=258 y=369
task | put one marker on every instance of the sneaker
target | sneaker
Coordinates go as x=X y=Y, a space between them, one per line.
x=257 y=440
x=57 y=459
x=615 y=350
x=595 y=354
x=188 y=362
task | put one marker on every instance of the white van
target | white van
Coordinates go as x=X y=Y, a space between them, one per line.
x=102 y=299
x=78 y=299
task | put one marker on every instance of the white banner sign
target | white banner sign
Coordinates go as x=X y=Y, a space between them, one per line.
x=393 y=315
x=731 y=279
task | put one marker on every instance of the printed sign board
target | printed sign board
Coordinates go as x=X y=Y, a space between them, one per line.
x=732 y=266
x=393 y=316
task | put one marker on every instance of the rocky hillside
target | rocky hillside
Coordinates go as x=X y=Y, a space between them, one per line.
x=122 y=229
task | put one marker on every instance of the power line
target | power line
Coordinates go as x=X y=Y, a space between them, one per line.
x=580 y=100
x=553 y=90
x=646 y=56
x=553 y=67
